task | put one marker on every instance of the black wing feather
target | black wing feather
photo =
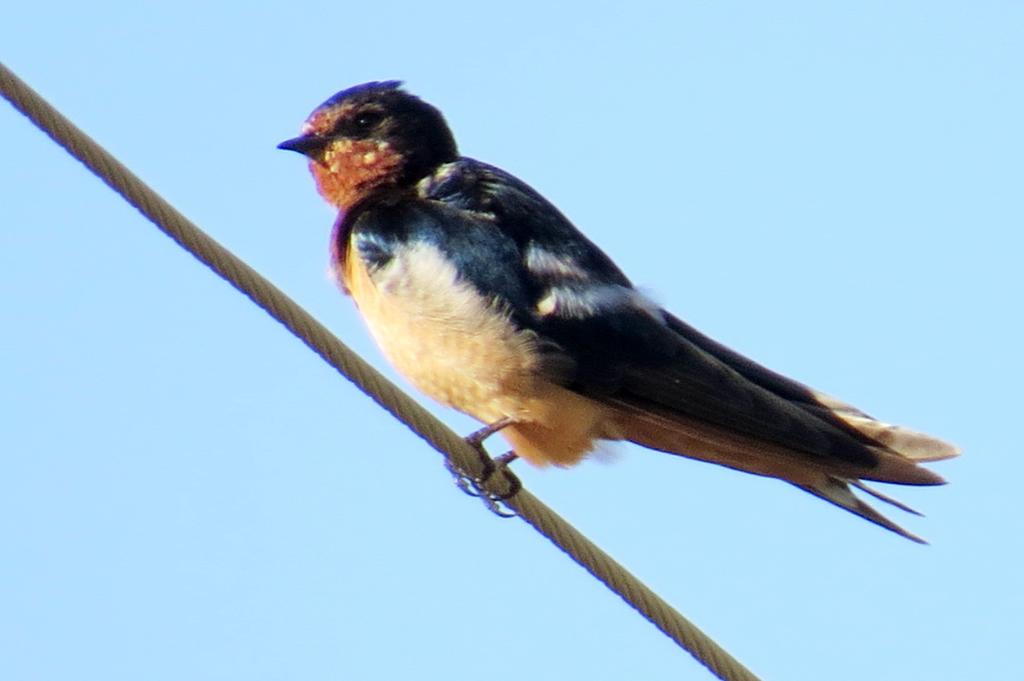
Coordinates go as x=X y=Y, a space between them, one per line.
x=631 y=354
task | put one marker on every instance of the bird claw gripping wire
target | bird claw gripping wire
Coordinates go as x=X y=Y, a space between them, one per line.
x=475 y=486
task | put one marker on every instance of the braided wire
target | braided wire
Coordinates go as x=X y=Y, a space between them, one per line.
x=299 y=322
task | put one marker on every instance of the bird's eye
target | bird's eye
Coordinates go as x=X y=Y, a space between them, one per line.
x=366 y=120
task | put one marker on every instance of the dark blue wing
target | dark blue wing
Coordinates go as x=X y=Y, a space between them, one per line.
x=479 y=250
x=514 y=245
x=529 y=220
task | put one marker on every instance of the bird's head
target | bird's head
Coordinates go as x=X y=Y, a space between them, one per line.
x=372 y=139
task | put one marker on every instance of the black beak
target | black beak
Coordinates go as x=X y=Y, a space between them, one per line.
x=307 y=145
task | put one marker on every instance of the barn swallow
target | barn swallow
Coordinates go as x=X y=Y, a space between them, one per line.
x=482 y=294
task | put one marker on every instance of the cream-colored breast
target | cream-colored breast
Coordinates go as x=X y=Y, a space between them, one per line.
x=462 y=350
x=441 y=334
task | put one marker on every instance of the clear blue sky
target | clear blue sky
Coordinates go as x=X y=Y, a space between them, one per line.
x=186 y=492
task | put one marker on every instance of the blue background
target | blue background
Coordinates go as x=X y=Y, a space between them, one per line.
x=186 y=492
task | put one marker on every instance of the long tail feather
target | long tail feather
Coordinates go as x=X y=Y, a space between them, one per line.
x=829 y=480
x=836 y=491
x=885 y=497
x=909 y=443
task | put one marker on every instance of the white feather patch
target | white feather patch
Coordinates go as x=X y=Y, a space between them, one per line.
x=582 y=302
x=543 y=262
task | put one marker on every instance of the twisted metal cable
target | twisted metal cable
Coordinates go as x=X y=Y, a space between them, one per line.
x=366 y=378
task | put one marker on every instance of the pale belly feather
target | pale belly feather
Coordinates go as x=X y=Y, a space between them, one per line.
x=463 y=351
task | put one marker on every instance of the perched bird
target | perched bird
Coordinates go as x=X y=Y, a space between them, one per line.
x=486 y=298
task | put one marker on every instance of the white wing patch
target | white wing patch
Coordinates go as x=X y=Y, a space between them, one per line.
x=544 y=263
x=577 y=295
x=580 y=302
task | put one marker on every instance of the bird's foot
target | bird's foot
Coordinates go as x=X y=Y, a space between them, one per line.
x=476 y=486
x=477 y=437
